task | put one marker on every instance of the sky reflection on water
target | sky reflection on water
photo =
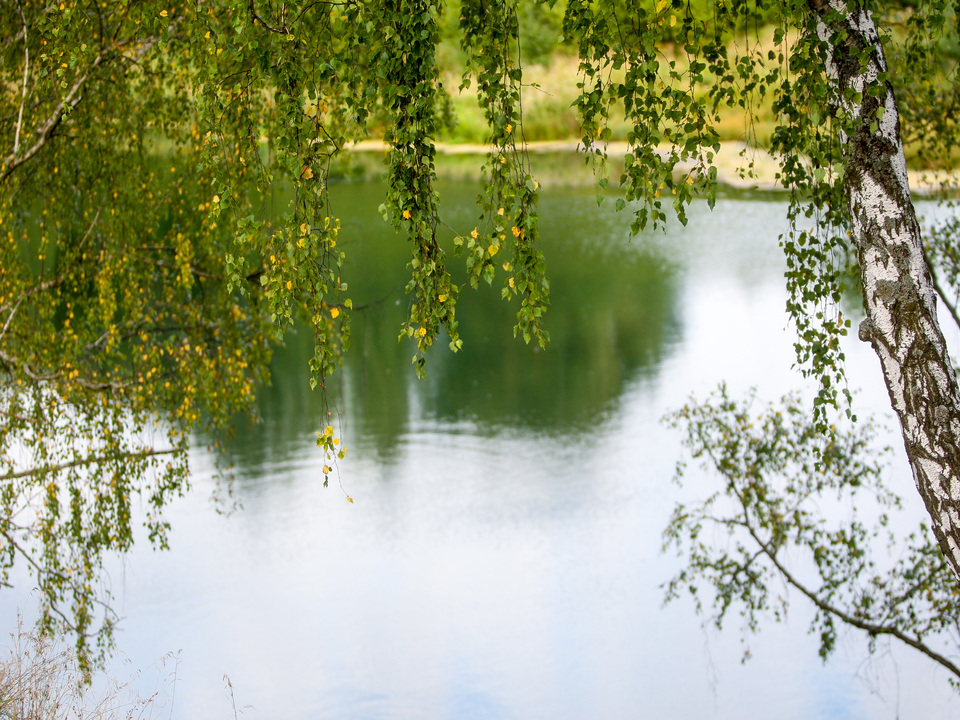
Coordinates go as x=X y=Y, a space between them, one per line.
x=502 y=558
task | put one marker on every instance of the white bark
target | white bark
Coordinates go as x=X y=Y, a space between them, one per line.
x=898 y=292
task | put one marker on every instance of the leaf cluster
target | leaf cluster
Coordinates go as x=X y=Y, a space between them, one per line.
x=805 y=513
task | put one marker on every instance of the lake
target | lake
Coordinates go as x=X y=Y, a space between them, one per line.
x=501 y=558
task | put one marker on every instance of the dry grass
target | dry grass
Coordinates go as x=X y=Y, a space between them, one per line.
x=40 y=679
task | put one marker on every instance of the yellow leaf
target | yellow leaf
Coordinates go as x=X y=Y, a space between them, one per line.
x=349 y=499
x=406 y=214
x=328 y=430
x=500 y=211
x=307 y=173
x=493 y=250
x=163 y=13
x=334 y=312
x=422 y=331
x=474 y=234
x=441 y=297
x=326 y=469
x=216 y=198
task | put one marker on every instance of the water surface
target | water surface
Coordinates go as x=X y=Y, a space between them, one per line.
x=502 y=557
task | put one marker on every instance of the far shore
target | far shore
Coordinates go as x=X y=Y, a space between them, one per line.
x=733 y=163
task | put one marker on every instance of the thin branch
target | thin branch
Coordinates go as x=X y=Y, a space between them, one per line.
x=374 y=303
x=951 y=308
x=167 y=266
x=871 y=628
x=89 y=460
x=35 y=376
x=26 y=75
x=15 y=416
x=47 y=284
x=13 y=161
x=257 y=19
x=13 y=312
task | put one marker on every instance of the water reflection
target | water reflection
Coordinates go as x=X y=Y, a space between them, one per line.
x=502 y=557
x=613 y=317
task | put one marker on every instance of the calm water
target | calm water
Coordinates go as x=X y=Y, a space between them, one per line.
x=502 y=557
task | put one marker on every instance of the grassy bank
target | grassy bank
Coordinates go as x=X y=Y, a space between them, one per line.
x=558 y=163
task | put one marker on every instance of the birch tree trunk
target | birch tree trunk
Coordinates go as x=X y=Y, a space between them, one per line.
x=898 y=293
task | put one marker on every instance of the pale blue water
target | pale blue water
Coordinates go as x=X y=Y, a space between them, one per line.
x=502 y=557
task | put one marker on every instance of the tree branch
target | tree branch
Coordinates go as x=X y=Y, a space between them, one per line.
x=871 y=628
x=26 y=75
x=951 y=308
x=89 y=460
x=14 y=161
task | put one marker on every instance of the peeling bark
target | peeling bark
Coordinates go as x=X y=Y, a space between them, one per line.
x=898 y=292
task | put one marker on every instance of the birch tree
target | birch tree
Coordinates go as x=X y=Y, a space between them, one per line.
x=899 y=296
